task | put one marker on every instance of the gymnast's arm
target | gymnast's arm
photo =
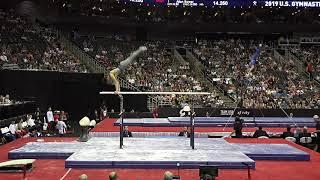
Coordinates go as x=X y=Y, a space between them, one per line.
x=114 y=77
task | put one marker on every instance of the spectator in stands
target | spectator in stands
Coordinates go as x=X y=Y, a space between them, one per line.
x=309 y=70
x=31 y=123
x=56 y=116
x=287 y=133
x=63 y=116
x=83 y=177
x=1 y=99
x=3 y=57
x=61 y=127
x=50 y=119
x=184 y=132
x=167 y=175
x=7 y=99
x=126 y=132
x=20 y=129
x=38 y=123
x=12 y=128
x=113 y=176
x=37 y=114
x=260 y=132
x=237 y=126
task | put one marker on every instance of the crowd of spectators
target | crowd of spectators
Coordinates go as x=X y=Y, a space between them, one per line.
x=37 y=124
x=155 y=70
x=310 y=56
x=26 y=46
x=269 y=83
x=183 y=14
x=5 y=99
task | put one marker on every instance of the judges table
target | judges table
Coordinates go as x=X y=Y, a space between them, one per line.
x=16 y=109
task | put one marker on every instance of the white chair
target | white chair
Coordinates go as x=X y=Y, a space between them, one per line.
x=24 y=124
x=291 y=139
x=93 y=123
x=305 y=140
x=45 y=126
x=5 y=130
x=263 y=137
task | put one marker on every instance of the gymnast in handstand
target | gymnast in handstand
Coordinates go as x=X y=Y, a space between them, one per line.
x=123 y=65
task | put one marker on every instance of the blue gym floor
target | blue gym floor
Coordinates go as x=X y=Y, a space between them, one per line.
x=158 y=153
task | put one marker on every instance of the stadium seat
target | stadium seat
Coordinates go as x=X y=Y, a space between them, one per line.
x=5 y=130
x=263 y=137
x=3 y=140
x=292 y=139
x=305 y=140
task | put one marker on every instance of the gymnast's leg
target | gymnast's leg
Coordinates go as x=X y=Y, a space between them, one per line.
x=123 y=65
x=114 y=78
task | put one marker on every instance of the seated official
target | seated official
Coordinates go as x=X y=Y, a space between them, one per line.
x=287 y=133
x=168 y=175
x=184 y=132
x=126 y=132
x=305 y=132
x=260 y=133
x=317 y=121
x=297 y=133
x=83 y=177
x=113 y=176
x=237 y=126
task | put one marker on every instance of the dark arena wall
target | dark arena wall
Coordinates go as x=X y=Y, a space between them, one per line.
x=75 y=93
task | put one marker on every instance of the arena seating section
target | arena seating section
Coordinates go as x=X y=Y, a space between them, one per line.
x=24 y=46
x=269 y=84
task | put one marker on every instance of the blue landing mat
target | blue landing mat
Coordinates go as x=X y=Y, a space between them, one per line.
x=246 y=119
x=272 y=152
x=45 y=150
x=158 y=153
